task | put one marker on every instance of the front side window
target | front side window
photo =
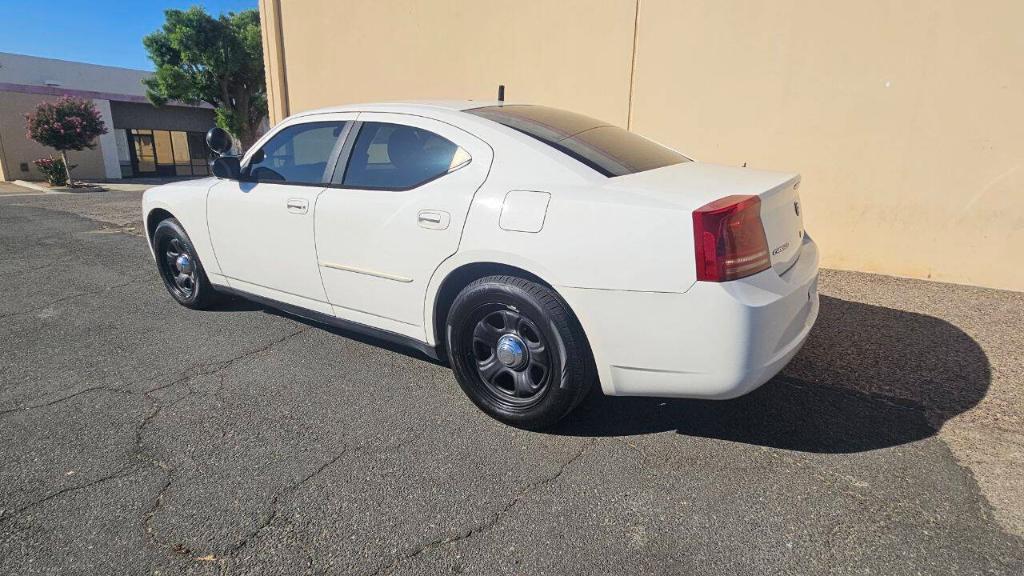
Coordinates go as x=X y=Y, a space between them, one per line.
x=607 y=149
x=399 y=157
x=297 y=154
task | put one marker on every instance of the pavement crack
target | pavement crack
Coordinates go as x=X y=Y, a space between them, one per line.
x=121 y=472
x=64 y=399
x=204 y=369
x=72 y=297
x=218 y=366
x=168 y=470
x=46 y=266
x=491 y=521
x=285 y=493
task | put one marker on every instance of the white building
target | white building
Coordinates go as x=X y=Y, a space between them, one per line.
x=142 y=140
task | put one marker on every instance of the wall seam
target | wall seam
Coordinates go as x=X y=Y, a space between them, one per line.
x=3 y=157
x=268 y=76
x=282 y=73
x=632 y=66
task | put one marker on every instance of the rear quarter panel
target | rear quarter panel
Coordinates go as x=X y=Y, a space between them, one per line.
x=591 y=238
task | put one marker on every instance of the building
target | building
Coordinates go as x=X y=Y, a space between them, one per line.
x=142 y=140
x=905 y=118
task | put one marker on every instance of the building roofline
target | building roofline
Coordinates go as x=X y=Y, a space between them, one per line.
x=78 y=62
x=60 y=91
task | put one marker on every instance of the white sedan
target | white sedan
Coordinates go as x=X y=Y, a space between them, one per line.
x=536 y=251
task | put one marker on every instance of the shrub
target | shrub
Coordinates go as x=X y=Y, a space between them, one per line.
x=67 y=124
x=54 y=170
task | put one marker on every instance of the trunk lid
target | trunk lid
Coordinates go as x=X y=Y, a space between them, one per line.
x=783 y=223
x=691 y=185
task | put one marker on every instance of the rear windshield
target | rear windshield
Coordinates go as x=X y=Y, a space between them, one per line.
x=608 y=149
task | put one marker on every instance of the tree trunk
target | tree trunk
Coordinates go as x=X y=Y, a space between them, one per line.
x=67 y=166
x=247 y=137
x=248 y=134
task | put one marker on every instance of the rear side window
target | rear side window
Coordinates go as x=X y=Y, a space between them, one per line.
x=399 y=157
x=608 y=149
x=296 y=155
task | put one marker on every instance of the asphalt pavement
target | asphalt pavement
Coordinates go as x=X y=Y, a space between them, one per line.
x=137 y=436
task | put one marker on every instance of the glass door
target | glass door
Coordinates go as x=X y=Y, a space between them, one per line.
x=143 y=152
x=164 y=152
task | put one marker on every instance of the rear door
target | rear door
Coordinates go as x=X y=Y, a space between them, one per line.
x=395 y=210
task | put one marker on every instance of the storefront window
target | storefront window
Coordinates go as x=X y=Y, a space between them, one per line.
x=168 y=153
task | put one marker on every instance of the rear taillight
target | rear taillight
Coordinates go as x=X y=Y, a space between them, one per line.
x=729 y=240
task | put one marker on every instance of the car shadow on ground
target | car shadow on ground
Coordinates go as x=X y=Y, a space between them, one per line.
x=868 y=377
x=231 y=303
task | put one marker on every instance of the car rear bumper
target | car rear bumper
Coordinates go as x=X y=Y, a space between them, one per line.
x=717 y=340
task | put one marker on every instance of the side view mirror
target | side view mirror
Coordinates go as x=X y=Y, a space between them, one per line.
x=219 y=141
x=227 y=167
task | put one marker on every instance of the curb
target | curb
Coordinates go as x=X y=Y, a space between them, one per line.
x=60 y=190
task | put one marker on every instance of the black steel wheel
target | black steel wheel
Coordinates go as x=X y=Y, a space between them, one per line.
x=518 y=351
x=512 y=359
x=180 y=267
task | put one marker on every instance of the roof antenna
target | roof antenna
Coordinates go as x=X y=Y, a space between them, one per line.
x=501 y=92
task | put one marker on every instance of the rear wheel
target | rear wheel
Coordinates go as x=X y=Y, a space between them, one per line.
x=180 y=268
x=518 y=352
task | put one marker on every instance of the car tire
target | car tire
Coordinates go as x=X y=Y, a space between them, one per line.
x=180 y=268
x=518 y=351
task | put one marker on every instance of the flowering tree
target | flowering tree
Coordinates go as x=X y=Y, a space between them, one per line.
x=67 y=124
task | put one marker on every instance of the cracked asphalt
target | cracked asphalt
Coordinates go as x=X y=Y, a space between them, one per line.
x=137 y=436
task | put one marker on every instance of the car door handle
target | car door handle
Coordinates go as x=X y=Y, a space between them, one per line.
x=298 y=205
x=433 y=219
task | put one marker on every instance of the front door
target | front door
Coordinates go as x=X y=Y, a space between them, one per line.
x=262 y=225
x=393 y=214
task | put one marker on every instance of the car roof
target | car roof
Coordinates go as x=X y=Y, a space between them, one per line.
x=454 y=111
x=408 y=106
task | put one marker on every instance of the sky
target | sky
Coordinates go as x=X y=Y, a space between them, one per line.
x=96 y=31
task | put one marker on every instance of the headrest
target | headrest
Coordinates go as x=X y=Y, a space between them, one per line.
x=404 y=147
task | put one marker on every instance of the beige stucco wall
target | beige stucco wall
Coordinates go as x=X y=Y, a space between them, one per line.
x=906 y=119
x=571 y=53
x=16 y=148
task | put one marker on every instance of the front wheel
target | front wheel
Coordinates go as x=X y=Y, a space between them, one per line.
x=518 y=352
x=180 y=268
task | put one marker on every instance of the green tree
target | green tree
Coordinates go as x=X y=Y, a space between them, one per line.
x=67 y=124
x=200 y=58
